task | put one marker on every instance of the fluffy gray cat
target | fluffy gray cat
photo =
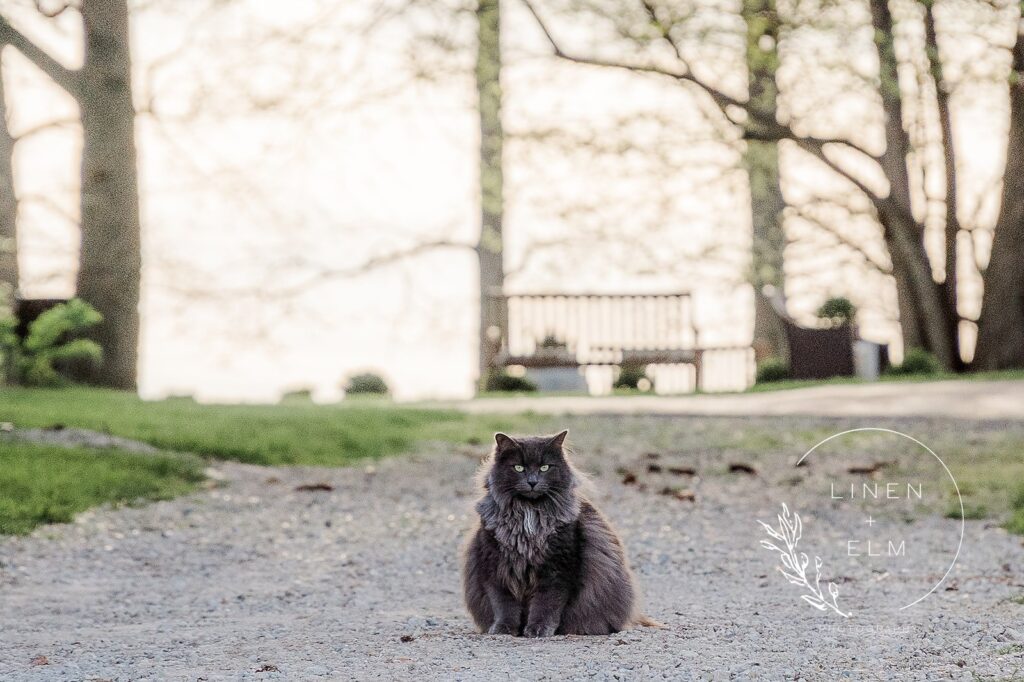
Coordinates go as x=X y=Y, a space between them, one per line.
x=543 y=560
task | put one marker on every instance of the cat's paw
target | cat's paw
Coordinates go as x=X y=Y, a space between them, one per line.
x=539 y=630
x=503 y=629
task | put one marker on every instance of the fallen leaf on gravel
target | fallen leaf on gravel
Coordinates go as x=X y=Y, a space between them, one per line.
x=652 y=455
x=272 y=480
x=740 y=468
x=310 y=487
x=407 y=638
x=679 y=494
x=628 y=478
x=268 y=668
x=682 y=471
x=39 y=660
x=872 y=468
x=654 y=468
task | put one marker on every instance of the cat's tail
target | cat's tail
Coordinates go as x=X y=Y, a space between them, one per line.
x=647 y=622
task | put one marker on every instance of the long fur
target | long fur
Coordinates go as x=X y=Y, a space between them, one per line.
x=543 y=564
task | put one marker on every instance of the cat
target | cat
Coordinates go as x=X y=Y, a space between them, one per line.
x=543 y=560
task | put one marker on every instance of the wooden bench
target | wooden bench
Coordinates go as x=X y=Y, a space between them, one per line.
x=543 y=330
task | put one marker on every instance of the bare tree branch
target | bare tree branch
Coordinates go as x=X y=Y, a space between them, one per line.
x=769 y=128
x=68 y=79
x=56 y=11
x=803 y=214
x=46 y=126
x=720 y=98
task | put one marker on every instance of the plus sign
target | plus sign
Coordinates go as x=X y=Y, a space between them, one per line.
x=870 y=521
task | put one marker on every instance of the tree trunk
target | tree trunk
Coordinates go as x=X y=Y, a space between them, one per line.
x=925 y=324
x=952 y=221
x=923 y=311
x=1001 y=326
x=490 y=251
x=766 y=202
x=761 y=159
x=110 y=258
x=9 y=276
x=8 y=213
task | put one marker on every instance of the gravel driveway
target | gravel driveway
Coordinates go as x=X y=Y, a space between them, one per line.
x=255 y=580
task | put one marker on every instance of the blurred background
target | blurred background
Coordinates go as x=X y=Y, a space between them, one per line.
x=261 y=198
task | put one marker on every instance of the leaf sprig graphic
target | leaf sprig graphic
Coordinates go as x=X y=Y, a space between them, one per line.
x=794 y=564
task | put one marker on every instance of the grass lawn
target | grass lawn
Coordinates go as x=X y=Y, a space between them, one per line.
x=43 y=484
x=788 y=384
x=47 y=484
x=325 y=435
x=987 y=463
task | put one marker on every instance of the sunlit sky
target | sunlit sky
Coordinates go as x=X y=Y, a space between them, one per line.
x=268 y=160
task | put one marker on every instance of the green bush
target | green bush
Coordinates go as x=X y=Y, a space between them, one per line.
x=838 y=310
x=772 y=369
x=299 y=395
x=49 y=341
x=367 y=383
x=502 y=381
x=630 y=376
x=916 y=361
x=551 y=341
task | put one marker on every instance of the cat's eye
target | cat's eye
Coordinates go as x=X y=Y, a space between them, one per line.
x=519 y=467
x=545 y=467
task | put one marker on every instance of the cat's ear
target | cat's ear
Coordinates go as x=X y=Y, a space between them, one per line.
x=559 y=439
x=504 y=442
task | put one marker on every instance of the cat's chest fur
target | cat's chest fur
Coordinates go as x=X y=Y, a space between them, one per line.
x=523 y=532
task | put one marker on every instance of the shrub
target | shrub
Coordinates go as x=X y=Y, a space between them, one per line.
x=772 y=369
x=837 y=310
x=502 y=381
x=916 y=361
x=50 y=341
x=633 y=376
x=299 y=395
x=552 y=341
x=367 y=383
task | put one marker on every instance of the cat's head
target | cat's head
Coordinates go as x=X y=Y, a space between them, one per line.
x=530 y=468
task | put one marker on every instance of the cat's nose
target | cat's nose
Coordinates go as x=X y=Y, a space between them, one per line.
x=533 y=484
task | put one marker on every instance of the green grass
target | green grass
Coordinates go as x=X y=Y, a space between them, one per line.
x=972 y=512
x=987 y=463
x=48 y=484
x=789 y=384
x=1016 y=522
x=1011 y=649
x=307 y=434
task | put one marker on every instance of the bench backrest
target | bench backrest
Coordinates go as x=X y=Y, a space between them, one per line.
x=591 y=325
